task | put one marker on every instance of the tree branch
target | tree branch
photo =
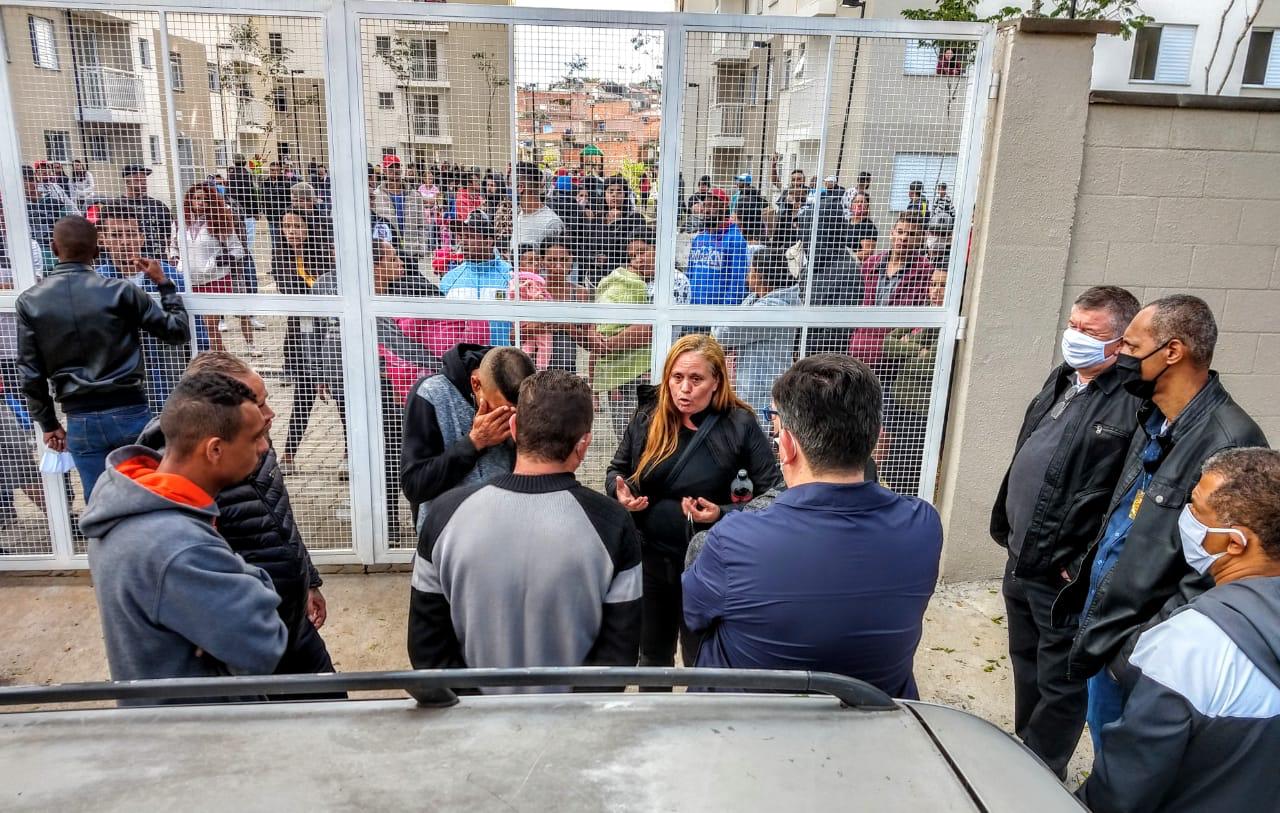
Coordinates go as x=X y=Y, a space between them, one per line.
x=1217 y=43
x=1244 y=31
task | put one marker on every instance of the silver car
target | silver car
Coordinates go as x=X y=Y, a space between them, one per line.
x=753 y=740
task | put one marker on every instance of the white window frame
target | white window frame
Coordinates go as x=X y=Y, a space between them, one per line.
x=153 y=148
x=387 y=96
x=275 y=43
x=40 y=39
x=144 y=53
x=215 y=78
x=377 y=44
x=919 y=58
x=97 y=147
x=175 y=70
x=1185 y=80
x=61 y=137
x=1271 y=77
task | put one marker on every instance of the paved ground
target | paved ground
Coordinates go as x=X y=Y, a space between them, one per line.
x=49 y=632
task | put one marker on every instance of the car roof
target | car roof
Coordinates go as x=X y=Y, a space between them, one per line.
x=563 y=752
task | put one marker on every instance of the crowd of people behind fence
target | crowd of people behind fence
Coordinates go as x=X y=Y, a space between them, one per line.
x=562 y=235
x=1140 y=510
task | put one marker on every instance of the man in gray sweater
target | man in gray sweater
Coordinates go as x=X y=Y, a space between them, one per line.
x=532 y=568
x=175 y=601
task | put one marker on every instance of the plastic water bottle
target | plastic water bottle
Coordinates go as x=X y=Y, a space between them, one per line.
x=740 y=491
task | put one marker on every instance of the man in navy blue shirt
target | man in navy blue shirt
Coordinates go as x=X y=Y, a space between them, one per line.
x=836 y=575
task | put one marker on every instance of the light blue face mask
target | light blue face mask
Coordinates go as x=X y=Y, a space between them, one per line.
x=1193 y=533
x=1081 y=351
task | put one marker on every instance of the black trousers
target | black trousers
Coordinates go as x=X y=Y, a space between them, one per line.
x=305 y=653
x=1048 y=707
x=662 y=614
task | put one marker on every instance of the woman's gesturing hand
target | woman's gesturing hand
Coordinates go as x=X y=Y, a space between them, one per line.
x=700 y=510
x=630 y=501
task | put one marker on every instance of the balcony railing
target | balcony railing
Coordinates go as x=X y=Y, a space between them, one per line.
x=109 y=88
x=251 y=114
x=426 y=126
x=728 y=120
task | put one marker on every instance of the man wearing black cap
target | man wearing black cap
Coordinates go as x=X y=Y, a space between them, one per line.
x=482 y=276
x=154 y=217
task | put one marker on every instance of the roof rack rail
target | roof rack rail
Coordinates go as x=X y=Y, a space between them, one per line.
x=434 y=687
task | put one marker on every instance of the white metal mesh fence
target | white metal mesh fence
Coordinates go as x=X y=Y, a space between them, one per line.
x=584 y=189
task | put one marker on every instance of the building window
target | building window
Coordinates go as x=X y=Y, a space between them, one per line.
x=285 y=149
x=144 y=54
x=275 y=42
x=786 y=70
x=382 y=45
x=57 y=145
x=919 y=58
x=280 y=100
x=386 y=100
x=426 y=115
x=930 y=169
x=388 y=151
x=153 y=143
x=98 y=147
x=44 y=46
x=424 y=61
x=189 y=171
x=1262 y=65
x=215 y=80
x=175 y=68
x=1162 y=53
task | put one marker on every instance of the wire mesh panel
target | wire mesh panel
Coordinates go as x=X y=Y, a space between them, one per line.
x=252 y=147
x=437 y=111
x=300 y=359
x=90 y=118
x=548 y=180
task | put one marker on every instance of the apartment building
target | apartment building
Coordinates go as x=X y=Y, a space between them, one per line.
x=754 y=97
x=437 y=92
x=1190 y=47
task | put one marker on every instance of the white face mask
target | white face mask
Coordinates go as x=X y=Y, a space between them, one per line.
x=1082 y=351
x=1193 y=532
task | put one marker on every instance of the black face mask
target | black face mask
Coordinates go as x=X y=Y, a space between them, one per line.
x=1130 y=370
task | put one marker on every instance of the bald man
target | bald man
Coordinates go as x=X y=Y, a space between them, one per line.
x=80 y=333
x=457 y=422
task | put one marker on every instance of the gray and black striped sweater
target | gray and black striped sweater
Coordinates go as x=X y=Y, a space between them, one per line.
x=525 y=571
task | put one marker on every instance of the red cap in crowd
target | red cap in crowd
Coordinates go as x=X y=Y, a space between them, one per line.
x=390 y=161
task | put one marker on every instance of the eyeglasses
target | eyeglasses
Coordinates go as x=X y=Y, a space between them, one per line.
x=770 y=413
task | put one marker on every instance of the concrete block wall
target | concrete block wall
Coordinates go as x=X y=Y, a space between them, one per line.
x=1179 y=199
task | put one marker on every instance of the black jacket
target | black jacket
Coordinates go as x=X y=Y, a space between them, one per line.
x=242 y=190
x=736 y=442
x=1069 y=509
x=837 y=282
x=1151 y=578
x=427 y=467
x=256 y=519
x=79 y=331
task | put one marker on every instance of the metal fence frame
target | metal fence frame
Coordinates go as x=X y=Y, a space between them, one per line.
x=358 y=307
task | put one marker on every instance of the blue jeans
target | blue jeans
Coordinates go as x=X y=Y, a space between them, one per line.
x=91 y=436
x=1106 y=702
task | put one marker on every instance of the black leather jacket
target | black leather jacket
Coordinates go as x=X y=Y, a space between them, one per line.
x=256 y=519
x=735 y=442
x=80 y=332
x=1082 y=473
x=1151 y=578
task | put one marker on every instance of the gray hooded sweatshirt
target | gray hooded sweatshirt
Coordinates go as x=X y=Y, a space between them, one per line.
x=168 y=585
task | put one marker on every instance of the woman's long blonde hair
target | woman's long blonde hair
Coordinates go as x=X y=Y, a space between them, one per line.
x=664 y=429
